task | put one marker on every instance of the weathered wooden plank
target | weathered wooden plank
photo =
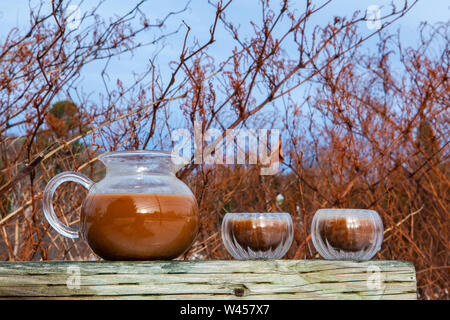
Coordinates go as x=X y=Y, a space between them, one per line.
x=254 y=279
x=303 y=296
x=220 y=266
x=105 y=279
x=359 y=287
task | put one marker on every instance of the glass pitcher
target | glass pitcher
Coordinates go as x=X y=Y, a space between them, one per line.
x=139 y=211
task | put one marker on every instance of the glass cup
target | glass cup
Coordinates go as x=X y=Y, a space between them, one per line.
x=347 y=234
x=257 y=235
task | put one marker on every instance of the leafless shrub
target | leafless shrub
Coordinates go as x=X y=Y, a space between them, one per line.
x=371 y=130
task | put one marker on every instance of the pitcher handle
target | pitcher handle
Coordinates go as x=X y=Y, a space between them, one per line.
x=48 y=196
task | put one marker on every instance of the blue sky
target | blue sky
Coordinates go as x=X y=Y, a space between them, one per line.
x=199 y=16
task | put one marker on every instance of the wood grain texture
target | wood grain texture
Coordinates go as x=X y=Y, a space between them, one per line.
x=230 y=279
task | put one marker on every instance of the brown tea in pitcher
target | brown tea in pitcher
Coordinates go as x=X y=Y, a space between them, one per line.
x=139 y=226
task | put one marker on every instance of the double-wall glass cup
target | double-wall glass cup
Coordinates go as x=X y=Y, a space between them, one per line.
x=347 y=234
x=257 y=235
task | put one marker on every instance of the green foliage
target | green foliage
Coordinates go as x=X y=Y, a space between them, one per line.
x=64 y=109
x=64 y=119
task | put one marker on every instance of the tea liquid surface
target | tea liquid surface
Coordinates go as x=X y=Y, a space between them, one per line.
x=139 y=226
